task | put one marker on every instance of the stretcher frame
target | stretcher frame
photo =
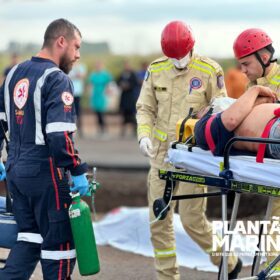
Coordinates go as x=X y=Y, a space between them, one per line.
x=226 y=183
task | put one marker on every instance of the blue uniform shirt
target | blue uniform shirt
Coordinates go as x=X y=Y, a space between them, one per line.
x=36 y=105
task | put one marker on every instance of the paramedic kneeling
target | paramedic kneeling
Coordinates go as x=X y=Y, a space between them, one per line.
x=36 y=105
x=248 y=116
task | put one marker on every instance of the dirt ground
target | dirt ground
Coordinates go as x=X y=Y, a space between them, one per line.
x=119 y=265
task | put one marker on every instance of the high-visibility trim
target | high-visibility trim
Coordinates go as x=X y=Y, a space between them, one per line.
x=160 y=135
x=60 y=127
x=58 y=255
x=275 y=218
x=275 y=80
x=162 y=66
x=275 y=268
x=203 y=67
x=171 y=252
x=39 y=137
x=7 y=94
x=144 y=129
x=30 y=237
x=5 y=221
x=3 y=116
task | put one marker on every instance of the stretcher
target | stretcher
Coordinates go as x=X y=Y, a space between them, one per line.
x=229 y=173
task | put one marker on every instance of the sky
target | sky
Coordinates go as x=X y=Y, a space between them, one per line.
x=134 y=26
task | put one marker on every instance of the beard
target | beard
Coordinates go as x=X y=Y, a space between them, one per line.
x=66 y=63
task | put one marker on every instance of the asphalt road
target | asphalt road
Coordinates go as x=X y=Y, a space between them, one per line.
x=120 y=265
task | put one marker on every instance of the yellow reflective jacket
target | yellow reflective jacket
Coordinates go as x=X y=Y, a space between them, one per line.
x=167 y=94
x=271 y=80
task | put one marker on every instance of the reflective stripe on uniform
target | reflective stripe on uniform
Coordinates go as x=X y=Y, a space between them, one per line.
x=171 y=252
x=60 y=126
x=30 y=237
x=7 y=94
x=202 y=66
x=167 y=65
x=58 y=255
x=3 y=117
x=160 y=135
x=275 y=80
x=39 y=137
x=144 y=129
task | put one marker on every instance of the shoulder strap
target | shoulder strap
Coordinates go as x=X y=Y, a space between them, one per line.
x=182 y=126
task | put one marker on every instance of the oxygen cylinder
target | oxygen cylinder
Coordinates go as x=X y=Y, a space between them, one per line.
x=86 y=251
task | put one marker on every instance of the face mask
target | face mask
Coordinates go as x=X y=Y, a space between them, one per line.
x=181 y=63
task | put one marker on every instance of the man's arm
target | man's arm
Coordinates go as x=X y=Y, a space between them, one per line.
x=146 y=108
x=237 y=112
x=60 y=124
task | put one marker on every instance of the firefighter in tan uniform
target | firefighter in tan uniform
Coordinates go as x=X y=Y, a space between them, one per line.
x=172 y=85
x=254 y=51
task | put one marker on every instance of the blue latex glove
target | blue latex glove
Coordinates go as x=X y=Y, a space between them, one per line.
x=2 y=172
x=80 y=184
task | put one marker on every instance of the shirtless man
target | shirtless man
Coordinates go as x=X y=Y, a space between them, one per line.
x=248 y=116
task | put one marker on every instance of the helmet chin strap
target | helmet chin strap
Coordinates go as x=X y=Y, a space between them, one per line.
x=265 y=65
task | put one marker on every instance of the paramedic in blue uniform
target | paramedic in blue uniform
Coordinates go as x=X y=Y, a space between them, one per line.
x=36 y=106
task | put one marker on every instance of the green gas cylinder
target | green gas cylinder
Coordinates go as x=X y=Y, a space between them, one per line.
x=86 y=251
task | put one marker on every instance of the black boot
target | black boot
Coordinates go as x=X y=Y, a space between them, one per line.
x=236 y=270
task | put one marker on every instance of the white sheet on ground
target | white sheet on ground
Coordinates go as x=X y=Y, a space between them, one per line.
x=128 y=229
x=244 y=168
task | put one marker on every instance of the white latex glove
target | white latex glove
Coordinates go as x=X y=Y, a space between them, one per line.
x=146 y=147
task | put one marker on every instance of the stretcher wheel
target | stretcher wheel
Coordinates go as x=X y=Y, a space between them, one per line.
x=160 y=208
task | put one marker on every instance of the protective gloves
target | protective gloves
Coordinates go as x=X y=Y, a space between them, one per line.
x=2 y=171
x=146 y=147
x=80 y=184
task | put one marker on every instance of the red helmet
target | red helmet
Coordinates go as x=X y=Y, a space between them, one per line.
x=177 y=39
x=250 y=41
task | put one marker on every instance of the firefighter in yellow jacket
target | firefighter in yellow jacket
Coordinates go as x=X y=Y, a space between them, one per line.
x=173 y=84
x=254 y=52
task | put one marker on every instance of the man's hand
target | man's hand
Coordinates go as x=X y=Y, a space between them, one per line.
x=266 y=92
x=146 y=147
x=2 y=171
x=262 y=100
x=80 y=184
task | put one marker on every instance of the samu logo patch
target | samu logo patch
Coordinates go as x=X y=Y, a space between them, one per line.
x=21 y=93
x=67 y=98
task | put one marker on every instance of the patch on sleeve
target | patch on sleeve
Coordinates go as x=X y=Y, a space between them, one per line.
x=147 y=75
x=220 y=81
x=67 y=98
x=21 y=93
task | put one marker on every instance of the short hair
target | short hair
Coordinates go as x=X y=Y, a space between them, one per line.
x=57 y=28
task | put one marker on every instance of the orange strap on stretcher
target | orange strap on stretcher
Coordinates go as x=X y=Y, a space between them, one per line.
x=208 y=135
x=265 y=134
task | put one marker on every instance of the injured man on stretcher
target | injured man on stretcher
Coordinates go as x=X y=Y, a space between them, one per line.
x=254 y=114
